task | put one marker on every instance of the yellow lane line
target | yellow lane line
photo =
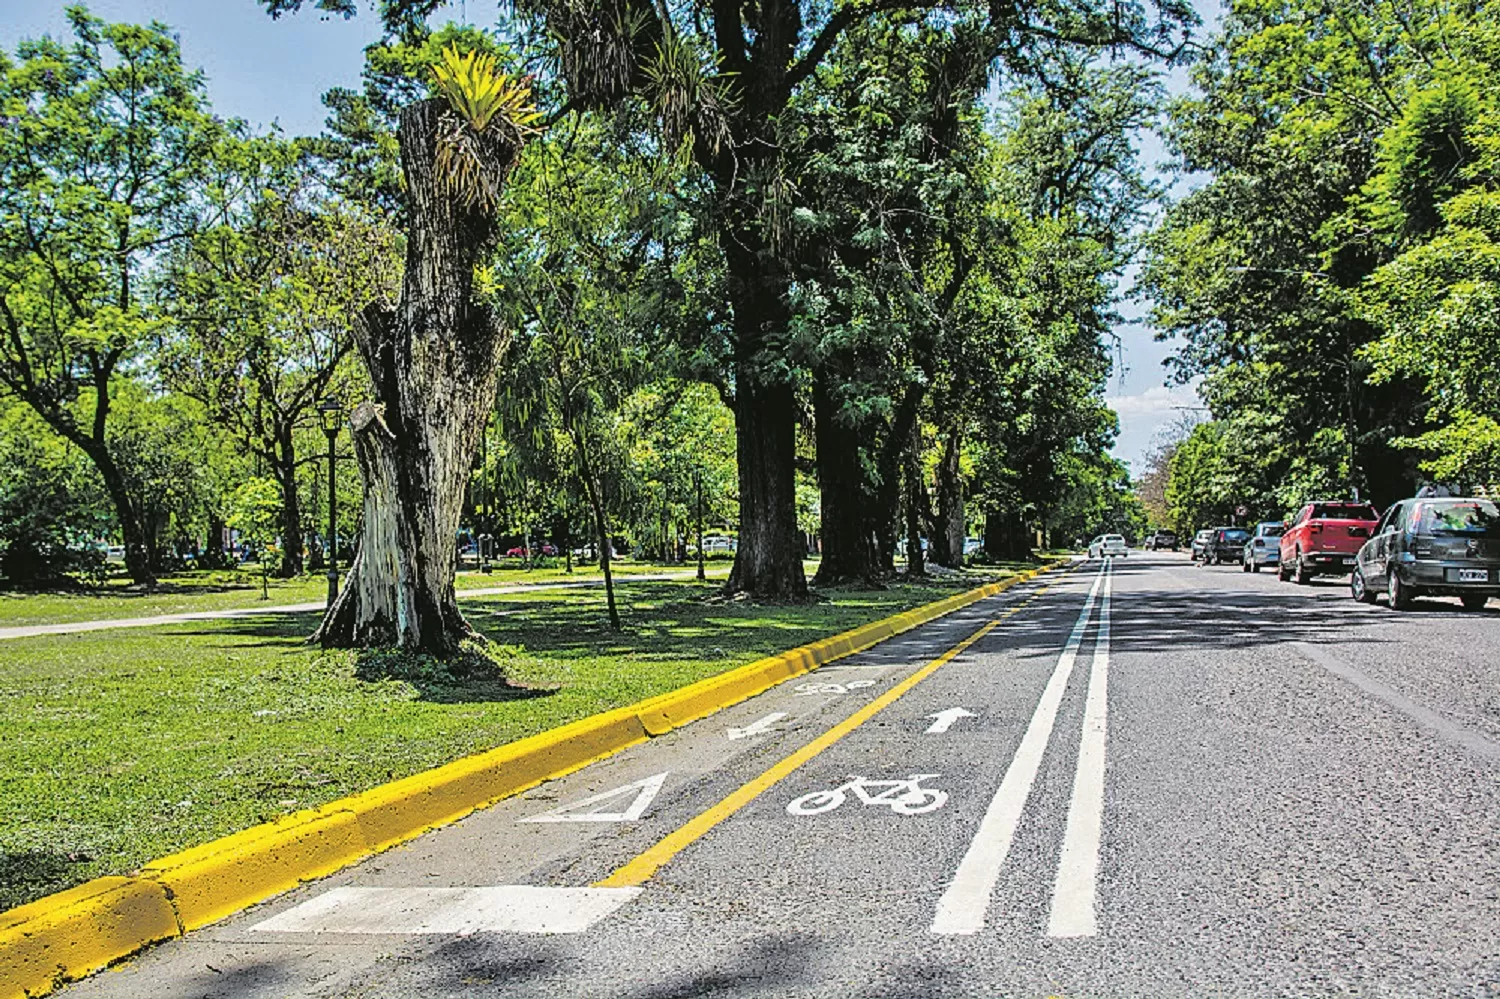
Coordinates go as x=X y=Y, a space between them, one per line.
x=640 y=870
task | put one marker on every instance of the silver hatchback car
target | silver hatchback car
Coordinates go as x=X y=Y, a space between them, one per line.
x=1263 y=548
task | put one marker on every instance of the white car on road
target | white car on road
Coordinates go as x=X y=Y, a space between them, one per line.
x=1108 y=545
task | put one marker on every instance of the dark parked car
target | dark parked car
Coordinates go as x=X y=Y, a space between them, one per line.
x=1227 y=544
x=1161 y=541
x=1440 y=547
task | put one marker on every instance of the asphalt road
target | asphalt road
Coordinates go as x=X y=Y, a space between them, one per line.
x=1165 y=781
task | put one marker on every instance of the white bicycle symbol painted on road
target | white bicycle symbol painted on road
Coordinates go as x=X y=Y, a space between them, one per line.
x=904 y=797
x=805 y=689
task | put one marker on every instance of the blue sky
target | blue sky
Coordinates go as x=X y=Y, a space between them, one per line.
x=276 y=71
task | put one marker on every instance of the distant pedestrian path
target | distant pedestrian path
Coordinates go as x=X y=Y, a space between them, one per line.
x=73 y=627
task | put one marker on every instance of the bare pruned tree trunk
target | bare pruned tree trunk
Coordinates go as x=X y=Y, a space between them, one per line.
x=434 y=361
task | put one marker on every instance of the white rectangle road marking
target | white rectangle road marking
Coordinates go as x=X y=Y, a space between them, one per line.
x=1074 y=894
x=962 y=908
x=456 y=911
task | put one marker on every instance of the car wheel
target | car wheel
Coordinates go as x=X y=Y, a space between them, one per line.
x=1254 y=566
x=1359 y=589
x=1245 y=564
x=1474 y=601
x=1283 y=571
x=1300 y=573
x=1398 y=592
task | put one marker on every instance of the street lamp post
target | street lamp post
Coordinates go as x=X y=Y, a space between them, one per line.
x=331 y=415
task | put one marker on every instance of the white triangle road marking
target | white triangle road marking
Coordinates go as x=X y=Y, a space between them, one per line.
x=645 y=792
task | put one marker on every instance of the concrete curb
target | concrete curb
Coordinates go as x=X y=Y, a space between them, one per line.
x=71 y=934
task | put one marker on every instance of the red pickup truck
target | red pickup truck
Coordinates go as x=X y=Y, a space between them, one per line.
x=1324 y=538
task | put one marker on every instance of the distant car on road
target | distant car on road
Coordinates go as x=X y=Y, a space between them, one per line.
x=1225 y=544
x=1108 y=545
x=1439 y=547
x=1263 y=546
x=1160 y=541
x=1200 y=543
x=1324 y=538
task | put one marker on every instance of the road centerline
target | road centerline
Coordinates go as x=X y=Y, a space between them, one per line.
x=1075 y=892
x=962 y=907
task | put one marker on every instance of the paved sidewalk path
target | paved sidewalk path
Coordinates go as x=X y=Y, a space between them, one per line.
x=72 y=627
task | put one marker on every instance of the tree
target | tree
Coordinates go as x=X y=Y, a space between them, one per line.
x=1433 y=205
x=433 y=364
x=102 y=155
x=53 y=510
x=598 y=261
x=254 y=511
x=1259 y=272
x=261 y=302
x=718 y=79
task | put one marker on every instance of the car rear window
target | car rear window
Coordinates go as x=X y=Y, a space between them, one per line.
x=1113 y=537
x=1272 y=530
x=1457 y=517
x=1344 y=511
x=1234 y=534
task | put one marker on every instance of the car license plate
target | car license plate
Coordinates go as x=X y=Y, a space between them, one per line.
x=1348 y=559
x=1473 y=576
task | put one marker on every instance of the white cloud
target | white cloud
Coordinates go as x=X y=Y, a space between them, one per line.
x=1159 y=399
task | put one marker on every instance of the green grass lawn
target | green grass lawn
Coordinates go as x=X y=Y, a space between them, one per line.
x=239 y=588
x=124 y=746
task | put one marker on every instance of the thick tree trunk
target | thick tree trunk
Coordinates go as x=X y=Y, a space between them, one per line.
x=213 y=545
x=916 y=503
x=768 y=562
x=291 y=509
x=137 y=543
x=433 y=362
x=888 y=469
x=1006 y=537
x=848 y=552
x=948 y=536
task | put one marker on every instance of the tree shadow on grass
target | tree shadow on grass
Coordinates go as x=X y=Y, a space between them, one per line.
x=668 y=622
x=471 y=677
x=665 y=622
x=27 y=875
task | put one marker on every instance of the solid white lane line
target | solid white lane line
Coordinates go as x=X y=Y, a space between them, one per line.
x=1073 y=895
x=458 y=911
x=962 y=908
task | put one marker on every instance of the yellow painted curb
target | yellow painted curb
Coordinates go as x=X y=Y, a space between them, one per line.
x=78 y=931
x=73 y=933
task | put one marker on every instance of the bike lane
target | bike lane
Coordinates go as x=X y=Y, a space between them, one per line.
x=809 y=896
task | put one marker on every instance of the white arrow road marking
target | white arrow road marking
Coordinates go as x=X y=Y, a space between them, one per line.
x=460 y=911
x=1073 y=895
x=963 y=905
x=579 y=811
x=943 y=720
x=759 y=727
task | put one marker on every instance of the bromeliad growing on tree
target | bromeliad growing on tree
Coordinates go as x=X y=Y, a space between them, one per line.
x=433 y=362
